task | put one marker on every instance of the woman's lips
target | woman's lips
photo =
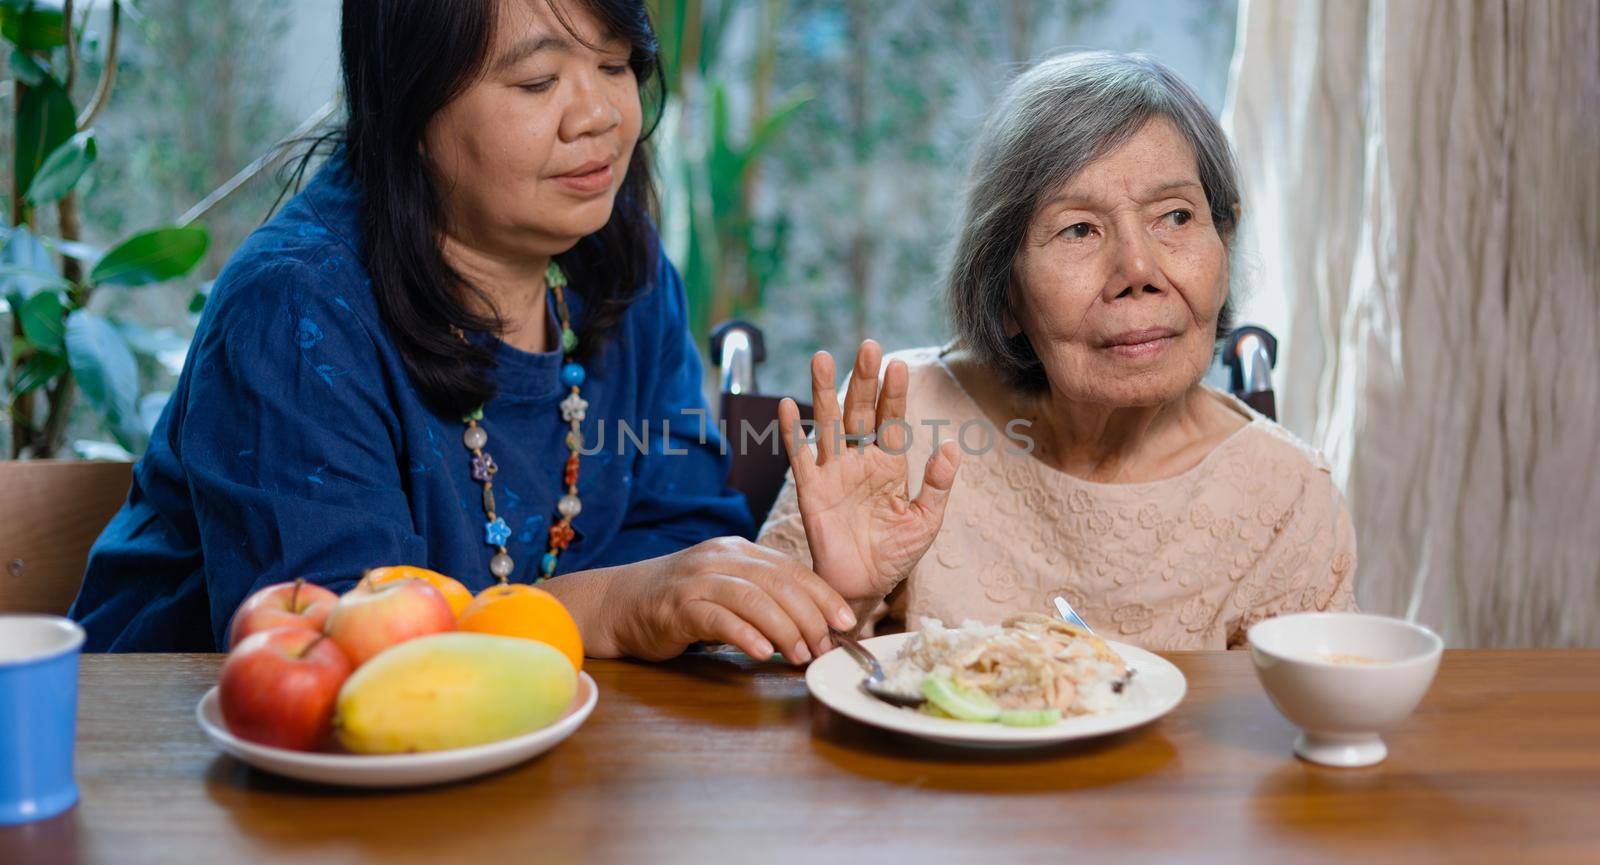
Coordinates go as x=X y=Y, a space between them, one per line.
x=1140 y=343
x=587 y=180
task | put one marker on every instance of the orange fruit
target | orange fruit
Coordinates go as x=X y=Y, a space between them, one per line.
x=519 y=610
x=455 y=594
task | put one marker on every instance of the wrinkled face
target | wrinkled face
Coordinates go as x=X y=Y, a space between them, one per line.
x=529 y=157
x=1122 y=275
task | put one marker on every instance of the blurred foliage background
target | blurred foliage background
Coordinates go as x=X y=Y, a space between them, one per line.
x=812 y=152
x=852 y=121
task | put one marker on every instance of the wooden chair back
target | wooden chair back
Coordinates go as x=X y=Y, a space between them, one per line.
x=51 y=511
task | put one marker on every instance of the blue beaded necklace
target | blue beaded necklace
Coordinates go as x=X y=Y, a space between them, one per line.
x=495 y=530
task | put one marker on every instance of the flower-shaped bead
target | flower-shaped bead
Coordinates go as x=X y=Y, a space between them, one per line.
x=483 y=468
x=561 y=536
x=574 y=408
x=496 y=533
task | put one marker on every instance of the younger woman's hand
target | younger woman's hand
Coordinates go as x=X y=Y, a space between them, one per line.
x=725 y=590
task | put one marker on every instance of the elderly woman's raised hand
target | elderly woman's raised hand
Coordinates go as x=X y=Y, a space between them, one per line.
x=865 y=531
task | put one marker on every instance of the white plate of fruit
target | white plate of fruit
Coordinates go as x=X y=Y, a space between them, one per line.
x=405 y=680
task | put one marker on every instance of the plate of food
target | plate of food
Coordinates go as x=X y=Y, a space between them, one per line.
x=334 y=765
x=1032 y=680
x=405 y=680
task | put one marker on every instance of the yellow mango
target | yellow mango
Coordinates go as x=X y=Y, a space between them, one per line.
x=452 y=690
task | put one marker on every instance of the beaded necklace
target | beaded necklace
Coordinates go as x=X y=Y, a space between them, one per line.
x=495 y=530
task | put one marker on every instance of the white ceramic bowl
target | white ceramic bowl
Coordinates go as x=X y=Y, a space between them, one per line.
x=1343 y=678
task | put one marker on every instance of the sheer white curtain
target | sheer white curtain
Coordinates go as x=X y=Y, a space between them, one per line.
x=1422 y=187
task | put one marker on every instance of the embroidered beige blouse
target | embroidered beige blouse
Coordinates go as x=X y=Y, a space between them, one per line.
x=1256 y=529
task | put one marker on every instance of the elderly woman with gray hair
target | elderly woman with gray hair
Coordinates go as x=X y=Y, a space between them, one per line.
x=1089 y=290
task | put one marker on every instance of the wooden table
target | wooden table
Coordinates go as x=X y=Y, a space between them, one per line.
x=711 y=759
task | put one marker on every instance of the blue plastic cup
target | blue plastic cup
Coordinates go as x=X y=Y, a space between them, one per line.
x=38 y=716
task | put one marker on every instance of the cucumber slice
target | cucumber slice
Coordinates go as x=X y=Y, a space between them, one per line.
x=932 y=709
x=961 y=703
x=1029 y=717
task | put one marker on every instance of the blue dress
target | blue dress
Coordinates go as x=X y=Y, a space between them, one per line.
x=295 y=445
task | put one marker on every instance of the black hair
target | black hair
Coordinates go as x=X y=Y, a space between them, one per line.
x=405 y=60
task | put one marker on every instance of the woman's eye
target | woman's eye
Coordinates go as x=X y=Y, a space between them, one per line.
x=615 y=68
x=1179 y=217
x=1078 y=230
x=539 y=86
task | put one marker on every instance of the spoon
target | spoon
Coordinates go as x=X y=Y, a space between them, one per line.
x=876 y=683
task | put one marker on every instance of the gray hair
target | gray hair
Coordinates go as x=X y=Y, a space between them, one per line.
x=1052 y=122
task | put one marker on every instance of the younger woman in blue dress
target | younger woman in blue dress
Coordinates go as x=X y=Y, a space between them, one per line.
x=427 y=357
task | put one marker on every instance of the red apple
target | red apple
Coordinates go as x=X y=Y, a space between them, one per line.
x=301 y=604
x=280 y=687
x=374 y=616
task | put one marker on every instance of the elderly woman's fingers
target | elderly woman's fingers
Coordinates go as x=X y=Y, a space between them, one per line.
x=824 y=406
x=892 y=407
x=801 y=458
x=938 y=478
x=862 y=393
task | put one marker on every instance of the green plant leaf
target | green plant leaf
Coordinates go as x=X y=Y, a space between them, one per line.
x=163 y=345
x=108 y=375
x=25 y=281
x=33 y=26
x=77 y=249
x=43 y=321
x=25 y=249
x=726 y=164
x=45 y=119
x=40 y=370
x=152 y=256
x=671 y=22
x=88 y=449
x=197 y=303
x=151 y=405
x=712 y=28
x=62 y=169
x=775 y=123
x=27 y=69
x=26 y=266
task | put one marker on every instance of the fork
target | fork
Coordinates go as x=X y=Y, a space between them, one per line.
x=1071 y=616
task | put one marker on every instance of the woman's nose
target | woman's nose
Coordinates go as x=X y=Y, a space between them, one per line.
x=1135 y=271
x=591 y=112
